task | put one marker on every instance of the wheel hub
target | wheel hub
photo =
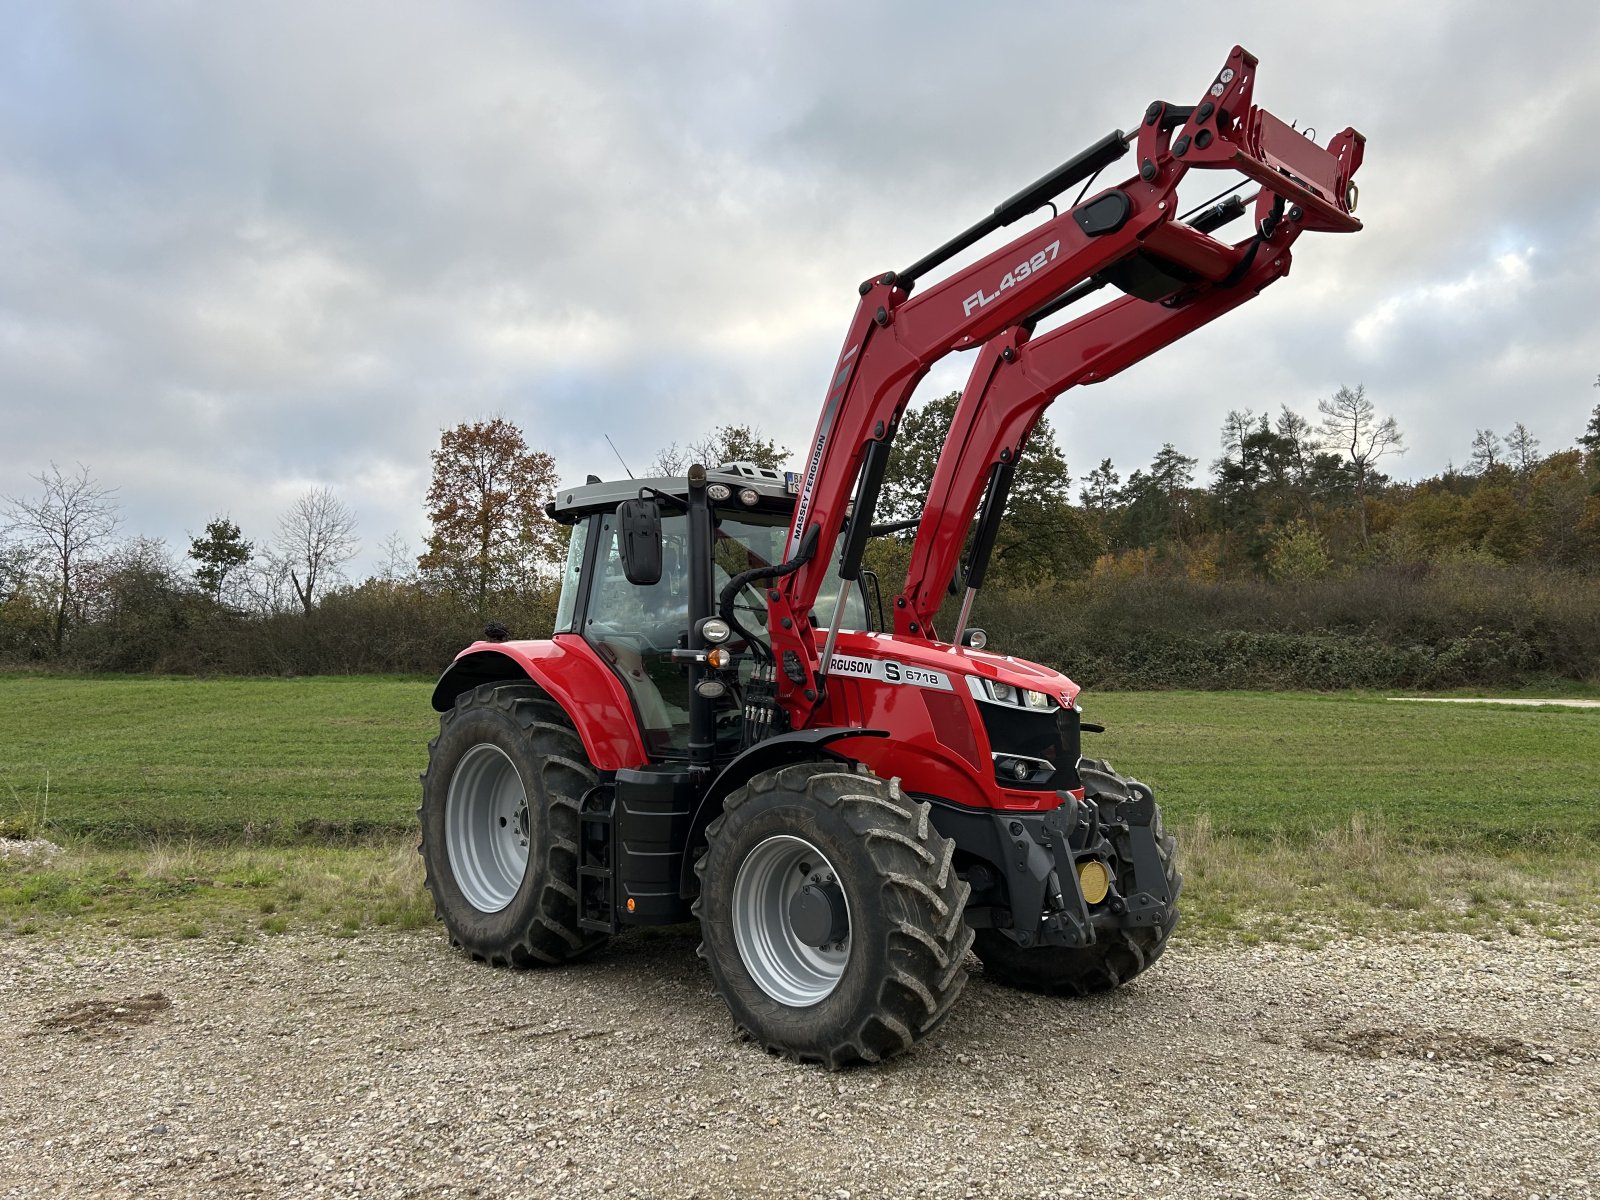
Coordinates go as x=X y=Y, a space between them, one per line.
x=818 y=913
x=486 y=827
x=791 y=921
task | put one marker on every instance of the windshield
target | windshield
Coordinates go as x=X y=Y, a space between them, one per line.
x=635 y=627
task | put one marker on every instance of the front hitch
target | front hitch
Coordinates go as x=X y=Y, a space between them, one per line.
x=1108 y=840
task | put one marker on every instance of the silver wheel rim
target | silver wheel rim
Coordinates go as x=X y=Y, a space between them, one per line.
x=783 y=966
x=486 y=828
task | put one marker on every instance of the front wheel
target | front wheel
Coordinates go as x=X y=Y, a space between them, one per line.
x=831 y=915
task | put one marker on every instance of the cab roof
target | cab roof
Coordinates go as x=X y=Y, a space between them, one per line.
x=597 y=495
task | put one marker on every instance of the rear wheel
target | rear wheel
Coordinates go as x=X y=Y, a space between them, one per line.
x=831 y=915
x=500 y=826
x=1119 y=954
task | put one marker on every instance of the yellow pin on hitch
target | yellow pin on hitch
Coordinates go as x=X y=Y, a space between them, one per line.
x=1094 y=881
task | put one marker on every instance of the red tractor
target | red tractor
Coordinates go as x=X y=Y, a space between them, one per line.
x=726 y=727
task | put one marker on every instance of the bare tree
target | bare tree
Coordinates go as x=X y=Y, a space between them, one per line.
x=316 y=537
x=65 y=526
x=1523 y=448
x=725 y=443
x=1350 y=424
x=399 y=564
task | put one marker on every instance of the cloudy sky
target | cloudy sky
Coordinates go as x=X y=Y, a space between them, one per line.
x=246 y=249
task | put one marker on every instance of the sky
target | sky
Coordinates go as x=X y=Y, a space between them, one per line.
x=249 y=249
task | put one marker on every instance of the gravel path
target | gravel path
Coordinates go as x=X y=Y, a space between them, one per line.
x=390 y=1066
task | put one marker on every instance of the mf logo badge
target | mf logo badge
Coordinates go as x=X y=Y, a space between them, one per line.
x=886 y=670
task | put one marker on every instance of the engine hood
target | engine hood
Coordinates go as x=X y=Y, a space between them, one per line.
x=958 y=660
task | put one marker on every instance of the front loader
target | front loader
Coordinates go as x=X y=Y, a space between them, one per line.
x=726 y=726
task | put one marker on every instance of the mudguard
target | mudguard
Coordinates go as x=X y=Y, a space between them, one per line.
x=571 y=673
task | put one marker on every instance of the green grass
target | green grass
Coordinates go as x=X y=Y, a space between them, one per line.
x=1459 y=777
x=259 y=760
x=247 y=808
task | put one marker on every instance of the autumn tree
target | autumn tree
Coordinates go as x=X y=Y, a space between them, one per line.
x=724 y=444
x=1297 y=553
x=221 y=553
x=486 y=504
x=316 y=538
x=1350 y=423
x=64 y=527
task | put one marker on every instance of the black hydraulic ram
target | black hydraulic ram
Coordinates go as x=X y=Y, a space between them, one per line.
x=1075 y=170
x=994 y=507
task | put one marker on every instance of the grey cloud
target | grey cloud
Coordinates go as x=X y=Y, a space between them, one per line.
x=253 y=247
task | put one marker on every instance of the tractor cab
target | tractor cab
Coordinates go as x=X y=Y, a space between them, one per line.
x=641 y=626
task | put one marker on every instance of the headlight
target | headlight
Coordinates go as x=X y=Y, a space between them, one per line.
x=719 y=492
x=715 y=630
x=1007 y=693
x=748 y=497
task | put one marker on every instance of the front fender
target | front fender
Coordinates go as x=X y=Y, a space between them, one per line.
x=571 y=673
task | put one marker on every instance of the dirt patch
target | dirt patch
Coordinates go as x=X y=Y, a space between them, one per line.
x=29 y=850
x=392 y=1065
x=1435 y=1045
x=99 y=1019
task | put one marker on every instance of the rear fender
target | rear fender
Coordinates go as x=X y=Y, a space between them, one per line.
x=805 y=745
x=568 y=670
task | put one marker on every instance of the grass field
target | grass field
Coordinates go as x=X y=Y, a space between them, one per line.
x=192 y=806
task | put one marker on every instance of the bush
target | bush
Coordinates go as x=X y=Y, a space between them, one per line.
x=1387 y=627
x=1390 y=626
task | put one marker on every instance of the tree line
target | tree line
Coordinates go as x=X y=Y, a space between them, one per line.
x=75 y=591
x=1292 y=503
x=1290 y=500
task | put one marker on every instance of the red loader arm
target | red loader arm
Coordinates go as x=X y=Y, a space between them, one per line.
x=896 y=337
x=1016 y=377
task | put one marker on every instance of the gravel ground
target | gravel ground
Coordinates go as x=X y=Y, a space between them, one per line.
x=391 y=1066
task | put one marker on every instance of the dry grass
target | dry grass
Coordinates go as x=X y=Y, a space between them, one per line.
x=189 y=889
x=1358 y=878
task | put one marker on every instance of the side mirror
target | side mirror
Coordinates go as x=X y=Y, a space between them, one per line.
x=639 y=540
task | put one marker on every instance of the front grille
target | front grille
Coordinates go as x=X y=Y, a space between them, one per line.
x=1033 y=737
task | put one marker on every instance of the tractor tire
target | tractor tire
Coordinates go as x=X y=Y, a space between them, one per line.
x=499 y=822
x=1117 y=957
x=870 y=958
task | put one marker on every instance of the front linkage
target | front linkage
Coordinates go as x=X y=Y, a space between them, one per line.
x=1103 y=852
